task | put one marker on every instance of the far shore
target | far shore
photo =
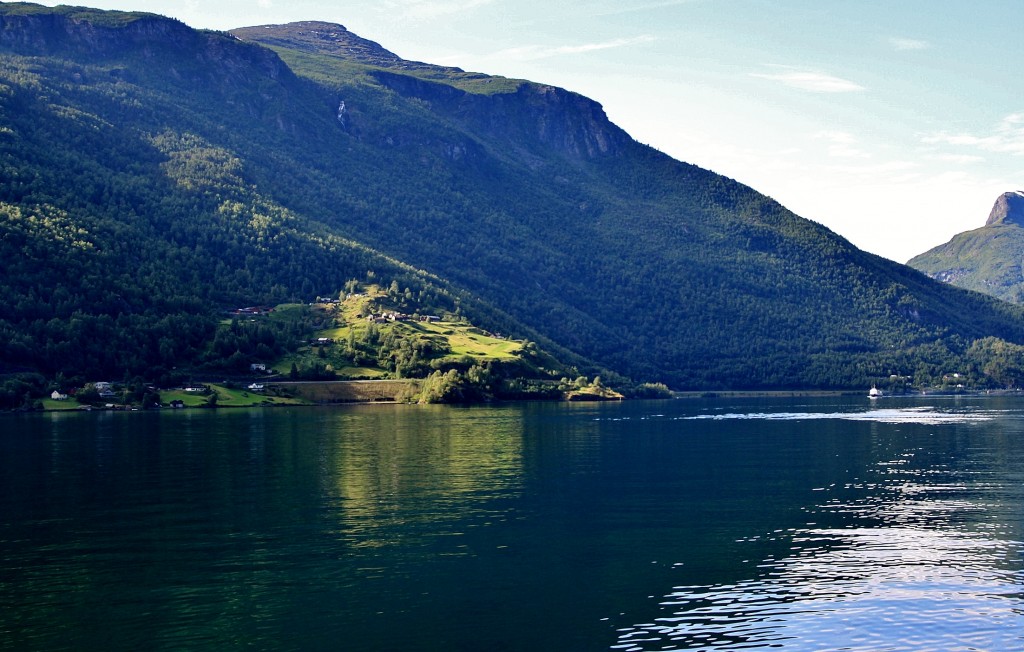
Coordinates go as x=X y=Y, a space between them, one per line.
x=364 y=392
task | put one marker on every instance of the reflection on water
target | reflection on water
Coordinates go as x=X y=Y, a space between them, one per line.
x=928 y=557
x=857 y=589
x=282 y=529
x=801 y=524
x=392 y=474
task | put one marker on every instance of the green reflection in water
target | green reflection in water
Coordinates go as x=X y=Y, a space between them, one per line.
x=395 y=473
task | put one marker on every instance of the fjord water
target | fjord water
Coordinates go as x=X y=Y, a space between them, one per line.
x=711 y=524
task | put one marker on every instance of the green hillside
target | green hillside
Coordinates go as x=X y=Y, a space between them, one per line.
x=372 y=334
x=989 y=259
x=156 y=176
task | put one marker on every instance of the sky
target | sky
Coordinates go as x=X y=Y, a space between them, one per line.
x=894 y=124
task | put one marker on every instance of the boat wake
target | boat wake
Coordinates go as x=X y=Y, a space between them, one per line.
x=922 y=414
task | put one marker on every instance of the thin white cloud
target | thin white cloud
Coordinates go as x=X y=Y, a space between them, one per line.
x=534 y=52
x=842 y=144
x=958 y=158
x=618 y=10
x=839 y=137
x=1006 y=138
x=810 y=80
x=429 y=9
x=908 y=44
x=845 y=151
x=860 y=171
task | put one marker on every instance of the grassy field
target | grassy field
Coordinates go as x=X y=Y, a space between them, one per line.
x=461 y=339
x=287 y=312
x=468 y=340
x=69 y=404
x=228 y=398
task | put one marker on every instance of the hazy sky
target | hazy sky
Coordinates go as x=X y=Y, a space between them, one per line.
x=894 y=123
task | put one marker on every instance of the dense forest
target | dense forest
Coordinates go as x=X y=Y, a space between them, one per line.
x=155 y=176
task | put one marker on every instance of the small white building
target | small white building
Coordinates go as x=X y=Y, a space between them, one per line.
x=57 y=396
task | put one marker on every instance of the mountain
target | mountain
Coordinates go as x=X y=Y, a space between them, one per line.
x=987 y=259
x=156 y=175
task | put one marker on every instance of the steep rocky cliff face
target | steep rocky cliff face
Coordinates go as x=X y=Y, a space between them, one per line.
x=534 y=116
x=1008 y=209
x=522 y=115
x=76 y=32
x=572 y=124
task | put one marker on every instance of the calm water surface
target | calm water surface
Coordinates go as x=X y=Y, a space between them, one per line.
x=725 y=524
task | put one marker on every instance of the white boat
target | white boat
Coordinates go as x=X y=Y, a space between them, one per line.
x=874 y=392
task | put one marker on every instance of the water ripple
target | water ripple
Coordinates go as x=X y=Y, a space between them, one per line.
x=860 y=589
x=915 y=567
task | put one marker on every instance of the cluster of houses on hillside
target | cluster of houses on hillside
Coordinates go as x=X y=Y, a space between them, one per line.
x=251 y=311
x=104 y=389
x=115 y=397
x=392 y=316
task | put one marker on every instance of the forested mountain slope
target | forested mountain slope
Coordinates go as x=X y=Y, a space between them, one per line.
x=989 y=259
x=155 y=174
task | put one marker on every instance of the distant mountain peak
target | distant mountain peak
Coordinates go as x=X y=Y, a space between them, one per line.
x=323 y=38
x=332 y=39
x=985 y=259
x=1008 y=209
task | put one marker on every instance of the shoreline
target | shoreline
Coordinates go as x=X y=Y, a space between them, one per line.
x=765 y=393
x=380 y=398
